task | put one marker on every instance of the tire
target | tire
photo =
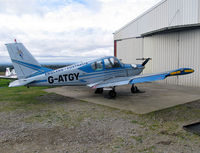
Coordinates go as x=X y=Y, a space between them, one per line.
x=99 y=91
x=134 y=89
x=112 y=94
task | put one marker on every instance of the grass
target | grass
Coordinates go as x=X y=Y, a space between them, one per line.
x=4 y=82
x=19 y=97
x=35 y=102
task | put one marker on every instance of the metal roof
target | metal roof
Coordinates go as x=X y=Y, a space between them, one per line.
x=167 y=14
x=137 y=18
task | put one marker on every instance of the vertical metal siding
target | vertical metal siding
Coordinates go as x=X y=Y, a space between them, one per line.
x=189 y=56
x=163 y=49
x=149 y=49
x=165 y=54
x=130 y=49
x=199 y=11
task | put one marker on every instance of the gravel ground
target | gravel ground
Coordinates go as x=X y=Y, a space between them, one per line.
x=66 y=125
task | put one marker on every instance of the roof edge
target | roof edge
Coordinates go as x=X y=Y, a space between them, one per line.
x=140 y=16
x=172 y=29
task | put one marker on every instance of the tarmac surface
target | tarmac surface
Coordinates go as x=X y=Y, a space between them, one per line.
x=155 y=96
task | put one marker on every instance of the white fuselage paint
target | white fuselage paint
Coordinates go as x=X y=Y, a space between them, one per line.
x=74 y=76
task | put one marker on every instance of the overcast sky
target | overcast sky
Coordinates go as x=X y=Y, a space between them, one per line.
x=65 y=30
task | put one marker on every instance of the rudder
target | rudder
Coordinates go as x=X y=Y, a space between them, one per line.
x=24 y=63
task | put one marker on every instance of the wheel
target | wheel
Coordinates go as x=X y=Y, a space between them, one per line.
x=134 y=89
x=112 y=94
x=99 y=91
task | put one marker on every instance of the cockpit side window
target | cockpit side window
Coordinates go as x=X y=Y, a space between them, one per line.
x=115 y=63
x=97 y=66
x=107 y=63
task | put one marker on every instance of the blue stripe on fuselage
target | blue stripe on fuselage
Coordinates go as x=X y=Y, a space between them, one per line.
x=39 y=69
x=39 y=81
x=32 y=66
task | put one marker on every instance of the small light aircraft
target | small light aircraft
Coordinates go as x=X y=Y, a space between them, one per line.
x=9 y=74
x=101 y=74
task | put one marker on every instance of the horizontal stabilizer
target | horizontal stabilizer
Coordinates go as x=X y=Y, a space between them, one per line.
x=21 y=82
x=8 y=77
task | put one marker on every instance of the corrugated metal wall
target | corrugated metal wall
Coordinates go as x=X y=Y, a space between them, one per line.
x=189 y=56
x=130 y=49
x=199 y=10
x=168 y=51
x=164 y=53
x=167 y=14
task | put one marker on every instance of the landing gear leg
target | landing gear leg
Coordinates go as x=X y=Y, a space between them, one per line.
x=134 y=89
x=99 y=91
x=112 y=93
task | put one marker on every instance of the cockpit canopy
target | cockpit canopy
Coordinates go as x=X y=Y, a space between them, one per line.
x=106 y=63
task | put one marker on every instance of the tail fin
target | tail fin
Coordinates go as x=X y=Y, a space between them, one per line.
x=24 y=63
x=7 y=71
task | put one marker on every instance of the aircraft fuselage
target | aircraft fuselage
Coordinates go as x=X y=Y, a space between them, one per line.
x=84 y=73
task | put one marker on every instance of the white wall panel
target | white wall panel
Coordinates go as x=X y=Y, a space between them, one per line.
x=199 y=10
x=164 y=52
x=149 y=51
x=130 y=49
x=189 y=56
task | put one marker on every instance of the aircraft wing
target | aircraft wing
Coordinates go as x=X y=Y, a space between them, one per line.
x=118 y=81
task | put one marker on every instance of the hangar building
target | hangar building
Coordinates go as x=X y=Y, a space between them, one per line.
x=169 y=33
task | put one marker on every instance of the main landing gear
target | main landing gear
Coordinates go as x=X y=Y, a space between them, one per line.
x=99 y=91
x=111 y=91
x=134 y=89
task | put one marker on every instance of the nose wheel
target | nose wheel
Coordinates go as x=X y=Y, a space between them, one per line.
x=134 y=89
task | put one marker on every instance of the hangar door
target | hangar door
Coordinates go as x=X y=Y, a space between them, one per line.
x=129 y=49
x=164 y=51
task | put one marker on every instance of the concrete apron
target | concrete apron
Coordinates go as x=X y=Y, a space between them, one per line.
x=156 y=96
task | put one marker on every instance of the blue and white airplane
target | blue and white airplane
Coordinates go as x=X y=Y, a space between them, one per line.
x=101 y=74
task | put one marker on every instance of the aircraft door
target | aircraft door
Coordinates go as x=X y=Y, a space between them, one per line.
x=113 y=68
x=98 y=69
